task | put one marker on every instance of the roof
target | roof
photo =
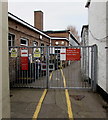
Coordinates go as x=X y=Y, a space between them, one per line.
x=72 y=36
x=10 y=15
x=57 y=31
x=88 y=3
x=84 y=26
x=64 y=31
x=59 y=38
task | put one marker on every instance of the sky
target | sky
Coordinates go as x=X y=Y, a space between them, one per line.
x=58 y=14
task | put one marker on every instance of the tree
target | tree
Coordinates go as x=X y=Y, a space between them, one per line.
x=73 y=31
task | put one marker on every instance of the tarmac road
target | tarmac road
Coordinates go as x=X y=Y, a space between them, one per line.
x=83 y=103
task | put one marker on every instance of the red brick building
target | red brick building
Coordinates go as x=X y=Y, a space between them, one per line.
x=22 y=33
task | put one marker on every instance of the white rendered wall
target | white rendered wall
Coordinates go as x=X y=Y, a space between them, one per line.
x=4 y=74
x=97 y=26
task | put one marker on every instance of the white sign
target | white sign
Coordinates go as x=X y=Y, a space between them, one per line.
x=24 y=53
x=63 y=54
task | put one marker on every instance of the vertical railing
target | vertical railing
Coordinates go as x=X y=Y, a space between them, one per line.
x=47 y=66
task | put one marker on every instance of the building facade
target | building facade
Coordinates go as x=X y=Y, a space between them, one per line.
x=97 y=20
x=22 y=33
x=84 y=35
x=66 y=35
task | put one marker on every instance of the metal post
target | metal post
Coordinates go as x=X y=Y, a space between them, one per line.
x=95 y=68
x=92 y=67
x=47 y=66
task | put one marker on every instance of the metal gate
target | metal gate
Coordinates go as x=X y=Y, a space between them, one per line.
x=53 y=67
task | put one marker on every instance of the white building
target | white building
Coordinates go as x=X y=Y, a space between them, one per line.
x=98 y=20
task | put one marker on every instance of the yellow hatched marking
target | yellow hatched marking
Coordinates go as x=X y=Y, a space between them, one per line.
x=36 y=113
x=70 y=113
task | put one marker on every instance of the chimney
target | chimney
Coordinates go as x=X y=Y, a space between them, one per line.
x=38 y=20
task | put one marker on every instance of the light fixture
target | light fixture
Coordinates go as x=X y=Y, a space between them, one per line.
x=56 y=43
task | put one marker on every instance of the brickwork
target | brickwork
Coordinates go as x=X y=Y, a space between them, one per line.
x=21 y=31
x=38 y=19
x=61 y=34
x=53 y=42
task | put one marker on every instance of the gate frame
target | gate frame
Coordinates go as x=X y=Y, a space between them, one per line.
x=94 y=59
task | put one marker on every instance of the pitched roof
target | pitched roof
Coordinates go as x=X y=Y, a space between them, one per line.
x=10 y=15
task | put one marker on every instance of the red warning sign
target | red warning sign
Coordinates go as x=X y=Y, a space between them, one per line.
x=73 y=54
x=24 y=63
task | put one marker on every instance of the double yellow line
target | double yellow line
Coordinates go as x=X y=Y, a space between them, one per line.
x=70 y=113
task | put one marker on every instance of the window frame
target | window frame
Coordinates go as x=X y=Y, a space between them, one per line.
x=35 y=42
x=12 y=40
x=27 y=41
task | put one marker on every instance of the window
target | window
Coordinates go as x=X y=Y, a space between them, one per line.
x=42 y=49
x=35 y=43
x=11 y=39
x=42 y=44
x=24 y=42
x=40 y=36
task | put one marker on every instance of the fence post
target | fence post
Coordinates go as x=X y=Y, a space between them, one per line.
x=47 y=66
x=95 y=62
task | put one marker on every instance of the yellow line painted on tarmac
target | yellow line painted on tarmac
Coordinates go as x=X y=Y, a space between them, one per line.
x=36 y=113
x=38 y=108
x=64 y=81
x=50 y=75
x=70 y=113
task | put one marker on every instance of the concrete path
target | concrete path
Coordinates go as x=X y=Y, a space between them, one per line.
x=56 y=103
x=85 y=104
x=24 y=102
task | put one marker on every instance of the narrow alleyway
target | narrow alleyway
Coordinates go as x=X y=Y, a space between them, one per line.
x=84 y=103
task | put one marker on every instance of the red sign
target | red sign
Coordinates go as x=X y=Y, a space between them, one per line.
x=73 y=54
x=24 y=63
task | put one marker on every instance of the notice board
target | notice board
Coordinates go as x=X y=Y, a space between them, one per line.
x=24 y=63
x=73 y=54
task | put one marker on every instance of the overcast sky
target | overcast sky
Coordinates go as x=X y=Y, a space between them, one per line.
x=57 y=15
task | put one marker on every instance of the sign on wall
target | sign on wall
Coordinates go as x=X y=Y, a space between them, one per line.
x=24 y=59
x=37 y=53
x=63 y=54
x=73 y=54
x=24 y=53
x=24 y=63
x=13 y=52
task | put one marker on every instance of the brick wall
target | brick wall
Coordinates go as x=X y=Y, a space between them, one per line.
x=21 y=31
x=63 y=34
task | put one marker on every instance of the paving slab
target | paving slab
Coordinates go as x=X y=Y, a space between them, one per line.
x=90 y=106
x=85 y=104
x=24 y=102
x=54 y=105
